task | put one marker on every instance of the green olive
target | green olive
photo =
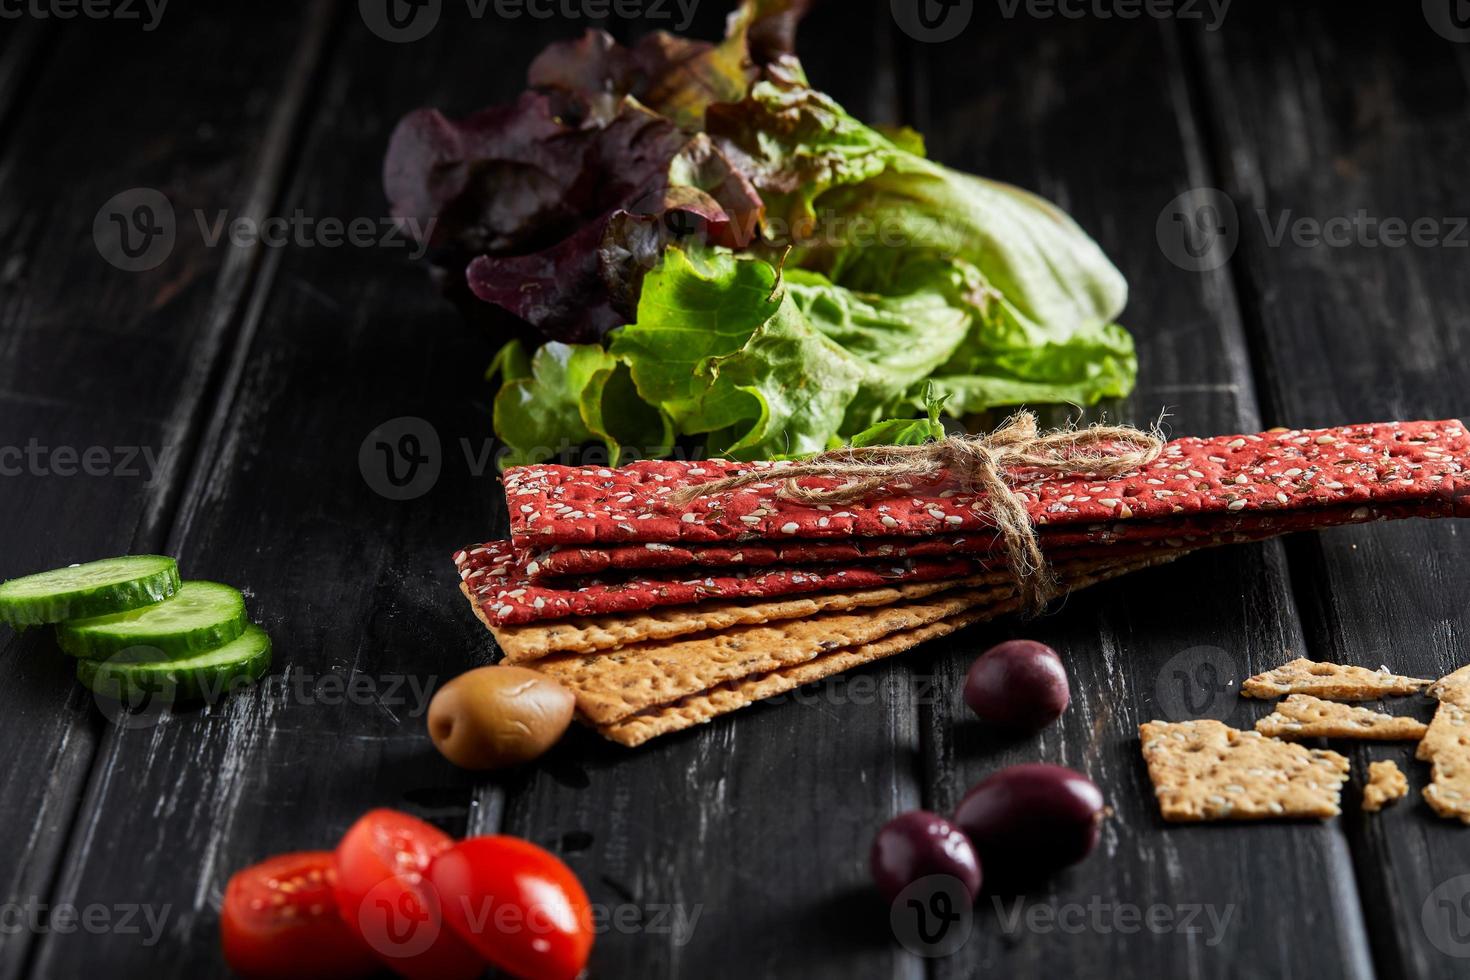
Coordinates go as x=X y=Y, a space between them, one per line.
x=494 y=717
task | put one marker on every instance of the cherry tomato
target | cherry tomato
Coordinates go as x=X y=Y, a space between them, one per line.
x=519 y=905
x=385 y=898
x=280 y=921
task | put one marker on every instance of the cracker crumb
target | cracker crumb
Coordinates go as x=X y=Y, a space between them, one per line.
x=1386 y=783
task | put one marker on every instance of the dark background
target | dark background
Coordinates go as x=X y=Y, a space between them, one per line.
x=253 y=374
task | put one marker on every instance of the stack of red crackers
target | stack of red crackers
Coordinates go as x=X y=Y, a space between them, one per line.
x=659 y=615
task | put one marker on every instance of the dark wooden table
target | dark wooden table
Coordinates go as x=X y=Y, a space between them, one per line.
x=252 y=373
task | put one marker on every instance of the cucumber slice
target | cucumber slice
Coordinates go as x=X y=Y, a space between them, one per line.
x=137 y=676
x=97 y=588
x=199 y=616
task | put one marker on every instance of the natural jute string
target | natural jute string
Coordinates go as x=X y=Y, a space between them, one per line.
x=979 y=464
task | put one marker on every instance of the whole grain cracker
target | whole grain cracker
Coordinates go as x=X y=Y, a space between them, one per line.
x=589 y=634
x=1305 y=716
x=696 y=709
x=1446 y=746
x=1206 y=770
x=1386 y=783
x=1334 y=682
x=1454 y=686
x=612 y=685
x=731 y=695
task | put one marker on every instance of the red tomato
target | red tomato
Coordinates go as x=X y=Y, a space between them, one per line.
x=280 y=920
x=517 y=904
x=386 y=900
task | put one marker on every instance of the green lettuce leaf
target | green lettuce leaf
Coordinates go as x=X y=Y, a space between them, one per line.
x=766 y=364
x=569 y=394
x=859 y=206
x=907 y=432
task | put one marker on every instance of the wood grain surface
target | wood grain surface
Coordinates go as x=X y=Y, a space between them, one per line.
x=250 y=387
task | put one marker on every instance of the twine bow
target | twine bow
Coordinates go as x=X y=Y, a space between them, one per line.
x=980 y=464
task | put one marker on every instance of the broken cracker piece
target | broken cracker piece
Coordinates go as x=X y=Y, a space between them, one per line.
x=1454 y=686
x=1206 y=770
x=1386 y=783
x=1335 y=682
x=1447 y=747
x=1303 y=716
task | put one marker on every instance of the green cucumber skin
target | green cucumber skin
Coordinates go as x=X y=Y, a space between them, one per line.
x=93 y=642
x=101 y=600
x=123 y=681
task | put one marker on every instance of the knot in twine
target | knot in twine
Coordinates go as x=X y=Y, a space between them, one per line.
x=981 y=464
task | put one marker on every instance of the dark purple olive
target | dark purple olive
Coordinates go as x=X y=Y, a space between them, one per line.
x=1019 y=684
x=1031 y=820
x=918 y=844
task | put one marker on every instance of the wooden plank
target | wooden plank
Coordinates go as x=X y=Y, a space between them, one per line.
x=1095 y=115
x=740 y=848
x=1324 y=117
x=94 y=356
x=358 y=590
x=23 y=48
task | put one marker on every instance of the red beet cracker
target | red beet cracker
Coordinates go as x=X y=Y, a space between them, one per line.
x=1278 y=470
x=558 y=564
x=499 y=583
